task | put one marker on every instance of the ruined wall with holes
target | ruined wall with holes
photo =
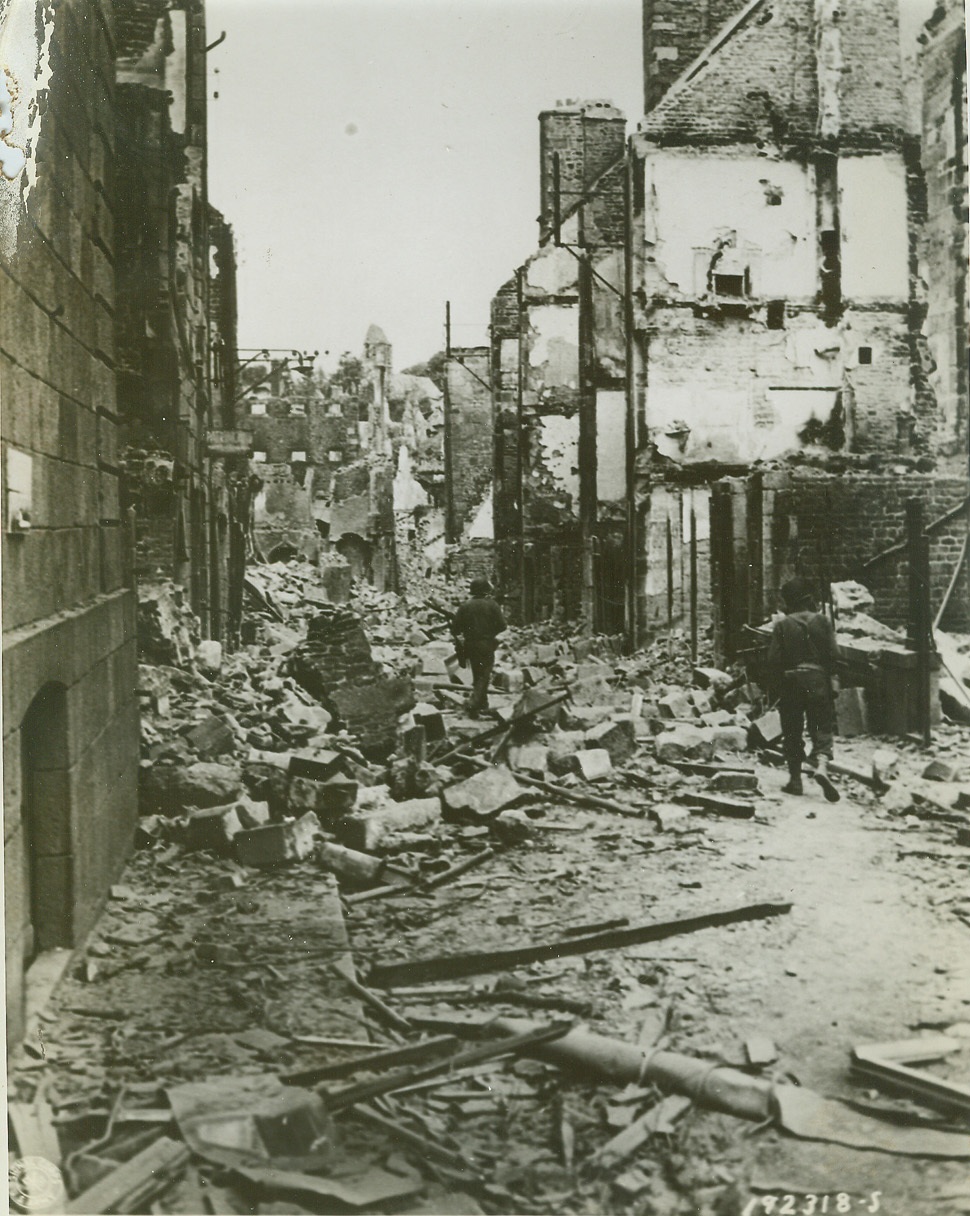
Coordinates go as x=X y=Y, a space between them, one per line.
x=469 y=436
x=831 y=528
x=944 y=251
x=70 y=717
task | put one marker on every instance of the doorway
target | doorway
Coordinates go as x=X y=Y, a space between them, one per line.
x=47 y=822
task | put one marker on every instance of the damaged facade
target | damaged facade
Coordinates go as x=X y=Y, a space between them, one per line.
x=349 y=468
x=778 y=328
x=176 y=318
x=118 y=348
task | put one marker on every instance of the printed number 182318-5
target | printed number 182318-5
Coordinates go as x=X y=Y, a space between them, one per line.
x=828 y=1203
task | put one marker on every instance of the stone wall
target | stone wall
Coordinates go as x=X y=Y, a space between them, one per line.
x=469 y=439
x=70 y=717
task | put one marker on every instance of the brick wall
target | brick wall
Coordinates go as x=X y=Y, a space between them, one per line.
x=469 y=437
x=674 y=34
x=830 y=528
x=759 y=86
x=70 y=717
x=588 y=137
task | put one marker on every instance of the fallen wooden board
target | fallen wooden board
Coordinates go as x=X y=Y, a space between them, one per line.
x=132 y=1185
x=369 y=998
x=408 y=1054
x=452 y=966
x=32 y=1124
x=886 y=1065
x=506 y=1045
x=427 y=1148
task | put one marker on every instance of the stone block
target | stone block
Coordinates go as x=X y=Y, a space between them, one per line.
x=276 y=844
x=563 y=745
x=616 y=736
x=727 y=739
x=767 y=728
x=726 y=783
x=431 y=719
x=252 y=814
x=170 y=789
x=211 y=738
x=434 y=665
x=670 y=818
x=583 y=717
x=884 y=763
x=213 y=828
x=329 y=799
x=379 y=817
x=484 y=794
x=717 y=717
x=712 y=678
x=676 y=705
x=532 y=758
x=593 y=764
x=684 y=742
x=941 y=770
x=701 y=700
x=546 y=652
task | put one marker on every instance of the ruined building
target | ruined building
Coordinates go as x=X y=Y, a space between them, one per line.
x=557 y=377
x=349 y=466
x=70 y=716
x=118 y=352
x=176 y=321
x=724 y=365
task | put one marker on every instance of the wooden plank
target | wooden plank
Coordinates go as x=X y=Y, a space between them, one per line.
x=33 y=1129
x=132 y=1185
x=408 y=1054
x=887 y=1071
x=506 y=1045
x=372 y=999
x=452 y=966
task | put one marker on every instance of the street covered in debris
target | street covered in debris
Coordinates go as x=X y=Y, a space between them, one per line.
x=516 y=760
x=578 y=955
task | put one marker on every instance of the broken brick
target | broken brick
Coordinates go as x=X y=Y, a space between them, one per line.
x=684 y=742
x=767 y=728
x=676 y=705
x=532 y=758
x=740 y=783
x=213 y=828
x=617 y=736
x=940 y=770
x=277 y=843
x=328 y=799
x=483 y=794
x=368 y=826
x=593 y=763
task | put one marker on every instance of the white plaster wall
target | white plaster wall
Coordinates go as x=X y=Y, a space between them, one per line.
x=736 y=425
x=695 y=199
x=559 y=451
x=875 y=248
x=25 y=71
x=610 y=446
x=482 y=526
x=555 y=343
x=553 y=270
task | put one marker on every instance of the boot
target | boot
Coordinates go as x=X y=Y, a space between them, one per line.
x=794 y=785
x=821 y=775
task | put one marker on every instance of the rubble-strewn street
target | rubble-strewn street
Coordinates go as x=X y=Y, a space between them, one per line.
x=486 y=617
x=556 y=894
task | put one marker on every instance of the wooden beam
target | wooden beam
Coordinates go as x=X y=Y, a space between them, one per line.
x=451 y=966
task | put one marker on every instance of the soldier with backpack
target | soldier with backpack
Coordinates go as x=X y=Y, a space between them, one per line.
x=801 y=659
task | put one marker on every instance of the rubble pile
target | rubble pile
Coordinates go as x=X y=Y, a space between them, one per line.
x=582 y=852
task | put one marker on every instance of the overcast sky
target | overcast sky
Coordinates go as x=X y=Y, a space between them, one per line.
x=378 y=157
